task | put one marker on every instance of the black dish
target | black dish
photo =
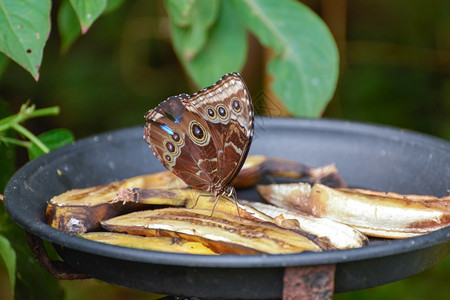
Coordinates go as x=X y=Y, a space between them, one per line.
x=367 y=156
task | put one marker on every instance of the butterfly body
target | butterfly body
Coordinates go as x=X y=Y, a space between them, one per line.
x=204 y=138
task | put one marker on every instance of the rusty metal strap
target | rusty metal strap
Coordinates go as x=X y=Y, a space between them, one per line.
x=308 y=282
x=58 y=269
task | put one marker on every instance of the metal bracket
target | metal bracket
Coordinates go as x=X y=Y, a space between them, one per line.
x=309 y=282
x=59 y=269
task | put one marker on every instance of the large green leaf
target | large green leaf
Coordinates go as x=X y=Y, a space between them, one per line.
x=88 y=11
x=25 y=27
x=9 y=257
x=53 y=139
x=191 y=22
x=306 y=62
x=225 y=49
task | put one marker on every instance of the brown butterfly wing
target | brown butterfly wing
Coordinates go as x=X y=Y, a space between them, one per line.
x=228 y=109
x=170 y=137
x=204 y=139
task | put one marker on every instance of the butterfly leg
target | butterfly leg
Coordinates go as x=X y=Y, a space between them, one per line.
x=215 y=203
x=198 y=197
x=231 y=193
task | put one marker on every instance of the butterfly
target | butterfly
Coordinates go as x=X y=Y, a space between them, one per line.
x=204 y=138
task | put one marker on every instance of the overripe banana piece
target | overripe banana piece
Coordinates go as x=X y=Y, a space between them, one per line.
x=339 y=235
x=223 y=233
x=371 y=213
x=81 y=210
x=159 y=243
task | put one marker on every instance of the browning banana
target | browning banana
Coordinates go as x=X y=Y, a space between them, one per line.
x=258 y=166
x=339 y=235
x=223 y=233
x=369 y=212
x=81 y=210
x=162 y=244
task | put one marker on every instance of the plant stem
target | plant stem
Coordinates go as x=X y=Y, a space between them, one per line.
x=8 y=140
x=26 y=112
x=26 y=133
x=7 y=122
x=48 y=111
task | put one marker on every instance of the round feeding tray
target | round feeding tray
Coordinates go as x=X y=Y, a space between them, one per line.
x=367 y=156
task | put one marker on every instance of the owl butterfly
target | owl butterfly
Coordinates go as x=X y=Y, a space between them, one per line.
x=204 y=138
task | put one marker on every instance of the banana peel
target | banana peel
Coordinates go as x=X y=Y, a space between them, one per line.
x=427 y=200
x=162 y=244
x=332 y=234
x=373 y=213
x=338 y=235
x=222 y=232
x=81 y=210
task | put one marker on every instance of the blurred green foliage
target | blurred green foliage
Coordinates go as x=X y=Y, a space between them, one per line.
x=395 y=65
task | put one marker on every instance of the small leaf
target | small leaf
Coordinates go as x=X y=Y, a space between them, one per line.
x=68 y=25
x=191 y=21
x=306 y=62
x=53 y=139
x=112 y=5
x=88 y=11
x=225 y=50
x=25 y=27
x=9 y=258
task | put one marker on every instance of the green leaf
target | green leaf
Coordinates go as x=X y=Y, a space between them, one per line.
x=25 y=27
x=88 y=11
x=180 y=11
x=191 y=22
x=9 y=257
x=225 y=50
x=112 y=5
x=53 y=139
x=306 y=62
x=68 y=25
